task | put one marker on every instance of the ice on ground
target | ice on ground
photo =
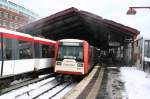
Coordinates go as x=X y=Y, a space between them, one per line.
x=137 y=85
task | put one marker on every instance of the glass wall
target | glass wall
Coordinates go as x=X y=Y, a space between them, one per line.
x=16 y=8
x=147 y=49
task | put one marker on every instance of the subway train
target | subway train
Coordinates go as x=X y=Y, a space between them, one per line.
x=74 y=57
x=22 y=53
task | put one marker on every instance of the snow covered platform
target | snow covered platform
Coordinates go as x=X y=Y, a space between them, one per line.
x=136 y=82
x=124 y=83
x=117 y=83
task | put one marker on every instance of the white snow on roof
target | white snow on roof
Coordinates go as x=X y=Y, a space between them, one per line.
x=137 y=84
x=14 y=32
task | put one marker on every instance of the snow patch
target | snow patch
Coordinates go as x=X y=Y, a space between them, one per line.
x=136 y=84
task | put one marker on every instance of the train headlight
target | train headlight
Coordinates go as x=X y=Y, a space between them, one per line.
x=58 y=63
x=80 y=64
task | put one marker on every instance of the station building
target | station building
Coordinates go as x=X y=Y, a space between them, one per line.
x=115 y=40
x=13 y=16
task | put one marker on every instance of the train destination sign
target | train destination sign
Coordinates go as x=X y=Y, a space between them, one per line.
x=71 y=44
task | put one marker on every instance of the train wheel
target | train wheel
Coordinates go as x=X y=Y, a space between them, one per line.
x=60 y=78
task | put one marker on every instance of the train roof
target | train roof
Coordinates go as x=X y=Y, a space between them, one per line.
x=2 y=30
x=43 y=39
x=71 y=40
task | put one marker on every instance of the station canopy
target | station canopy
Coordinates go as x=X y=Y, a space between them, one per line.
x=77 y=24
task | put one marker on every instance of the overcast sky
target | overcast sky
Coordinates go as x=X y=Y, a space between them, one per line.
x=108 y=9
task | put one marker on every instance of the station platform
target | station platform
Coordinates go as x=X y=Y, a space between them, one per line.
x=101 y=83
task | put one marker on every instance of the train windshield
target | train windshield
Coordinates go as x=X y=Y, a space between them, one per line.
x=70 y=52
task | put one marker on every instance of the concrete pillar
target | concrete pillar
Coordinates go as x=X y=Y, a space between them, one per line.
x=132 y=52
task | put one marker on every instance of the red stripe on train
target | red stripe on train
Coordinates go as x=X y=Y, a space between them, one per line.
x=18 y=37
x=45 y=42
x=86 y=57
x=70 y=72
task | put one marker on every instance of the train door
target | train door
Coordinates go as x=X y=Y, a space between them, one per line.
x=37 y=55
x=8 y=56
x=45 y=57
x=24 y=62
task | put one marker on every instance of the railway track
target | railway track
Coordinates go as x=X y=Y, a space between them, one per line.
x=24 y=83
x=52 y=92
x=44 y=89
x=39 y=90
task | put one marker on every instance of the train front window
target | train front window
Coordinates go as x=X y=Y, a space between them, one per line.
x=71 y=52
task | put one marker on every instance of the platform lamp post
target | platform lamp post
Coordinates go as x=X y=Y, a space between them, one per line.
x=132 y=10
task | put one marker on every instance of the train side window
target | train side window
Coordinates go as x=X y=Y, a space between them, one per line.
x=7 y=46
x=44 y=51
x=51 y=51
x=25 y=50
x=47 y=51
x=37 y=50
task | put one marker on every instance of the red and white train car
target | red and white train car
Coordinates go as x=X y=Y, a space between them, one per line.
x=21 y=53
x=74 y=57
x=44 y=53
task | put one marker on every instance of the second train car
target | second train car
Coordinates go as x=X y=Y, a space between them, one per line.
x=74 y=57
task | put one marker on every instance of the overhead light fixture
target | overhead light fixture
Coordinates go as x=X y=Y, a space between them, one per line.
x=132 y=10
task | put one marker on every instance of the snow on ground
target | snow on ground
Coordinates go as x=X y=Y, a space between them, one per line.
x=137 y=85
x=14 y=93
x=61 y=94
